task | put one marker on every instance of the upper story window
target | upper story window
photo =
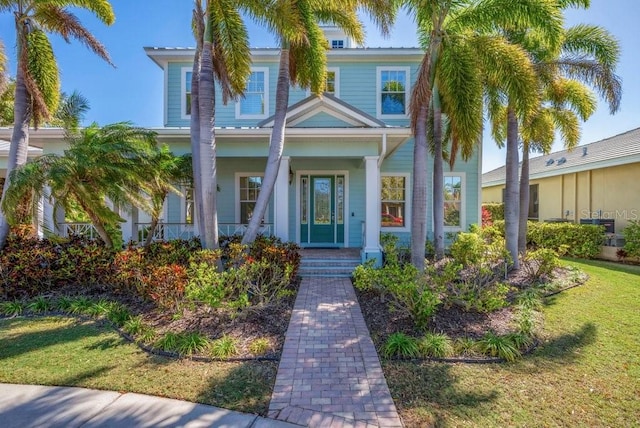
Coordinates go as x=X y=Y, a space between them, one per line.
x=333 y=81
x=185 y=107
x=255 y=103
x=337 y=44
x=392 y=92
x=454 y=184
x=393 y=195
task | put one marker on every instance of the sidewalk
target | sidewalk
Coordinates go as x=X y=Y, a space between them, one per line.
x=23 y=406
x=329 y=373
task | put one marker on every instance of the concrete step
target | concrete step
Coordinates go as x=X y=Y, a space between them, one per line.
x=315 y=267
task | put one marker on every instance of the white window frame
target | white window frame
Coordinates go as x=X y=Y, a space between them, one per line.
x=463 y=201
x=407 y=202
x=239 y=115
x=407 y=89
x=238 y=176
x=183 y=92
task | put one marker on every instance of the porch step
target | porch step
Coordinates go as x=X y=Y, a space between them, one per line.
x=330 y=267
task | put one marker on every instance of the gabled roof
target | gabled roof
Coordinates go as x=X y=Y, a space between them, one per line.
x=327 y=103
x=620 y=149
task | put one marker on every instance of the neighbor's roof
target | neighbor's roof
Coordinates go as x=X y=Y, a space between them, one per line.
x=5 y=145
x=617 y=150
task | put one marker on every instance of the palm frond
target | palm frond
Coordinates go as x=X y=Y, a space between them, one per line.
x=41 y=74
x=57 y=20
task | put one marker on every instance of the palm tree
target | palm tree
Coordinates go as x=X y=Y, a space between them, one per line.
x=112 y=162
x=37 y=84
x=585 y=53
x=303 y=62
x=221 y=34
x=70 y=112
x=460 y=61
x=168 y=171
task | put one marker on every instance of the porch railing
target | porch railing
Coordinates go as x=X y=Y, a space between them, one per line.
x=169 y=231
x=78 y=229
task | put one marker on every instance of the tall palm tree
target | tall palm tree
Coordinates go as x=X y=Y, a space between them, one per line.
x=585 y=53
x=303 y=61
x=567 y=103
x=460 y=60
x=37 y=84
x=110 y=162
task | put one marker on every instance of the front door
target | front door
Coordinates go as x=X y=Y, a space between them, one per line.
x=322 y=197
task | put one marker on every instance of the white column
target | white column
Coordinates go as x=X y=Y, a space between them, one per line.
x=130 y=227
x=59 y=219
x=281 y=201
x=372 y=209
x=46 y=222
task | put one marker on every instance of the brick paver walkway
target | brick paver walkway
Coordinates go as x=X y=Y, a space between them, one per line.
x=329 y=373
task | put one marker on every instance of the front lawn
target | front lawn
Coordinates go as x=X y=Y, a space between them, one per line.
x=63 y=351
x=585 y=373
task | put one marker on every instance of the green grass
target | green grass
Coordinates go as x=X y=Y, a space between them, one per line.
x=586 y=373
x=62 y=351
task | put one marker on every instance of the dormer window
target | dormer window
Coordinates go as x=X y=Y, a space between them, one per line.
x=337 y=44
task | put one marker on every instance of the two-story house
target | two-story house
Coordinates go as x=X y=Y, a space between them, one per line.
x=346 y=171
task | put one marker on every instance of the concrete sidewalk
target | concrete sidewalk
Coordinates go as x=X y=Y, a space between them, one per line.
x=23 y=406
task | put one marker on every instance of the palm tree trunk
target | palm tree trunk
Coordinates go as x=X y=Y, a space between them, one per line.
x=19 y=141
x=152 y=231
x=276 y=146
x=419 y=191
x=512 y=190
x=524 y=200
x=438 y=177
x=206 y=99
x=195 y=124
x=97 y=223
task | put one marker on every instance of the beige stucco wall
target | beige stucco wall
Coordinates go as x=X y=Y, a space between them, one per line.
x=612 y=192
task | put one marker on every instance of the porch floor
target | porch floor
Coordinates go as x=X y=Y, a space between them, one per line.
x=330 y=253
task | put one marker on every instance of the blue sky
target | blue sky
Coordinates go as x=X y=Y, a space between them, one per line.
x=133 y=89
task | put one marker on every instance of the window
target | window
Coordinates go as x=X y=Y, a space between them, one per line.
x=337 y=44
x=453 y=201
x=392 y=92
x=533 y=202
x=333 y=81
x=255 y=104
x=249 y=189
x=394 y=196
x=185 y=107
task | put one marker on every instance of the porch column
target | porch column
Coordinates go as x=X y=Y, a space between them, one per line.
x=47 y=216
x=130 y=227
x=371 y=245
x=281 y=201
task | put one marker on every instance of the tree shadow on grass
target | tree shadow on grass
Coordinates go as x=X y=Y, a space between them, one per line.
x=15 y=344
x=433 y=388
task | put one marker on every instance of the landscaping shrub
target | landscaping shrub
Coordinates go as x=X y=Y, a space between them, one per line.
x=165 y=285
x=540 y=263
x=435 y=345
x=400 y=345
x=573 y=240
x=224 y=347
x=495 y=210
x=632 y=239
x=499 y=346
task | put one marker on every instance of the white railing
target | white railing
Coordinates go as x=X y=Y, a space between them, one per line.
x=169 y=231
x=78 y=229
x=230 y=229
x=165 y=231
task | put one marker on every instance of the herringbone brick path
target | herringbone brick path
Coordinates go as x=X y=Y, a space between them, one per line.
x=329 y=373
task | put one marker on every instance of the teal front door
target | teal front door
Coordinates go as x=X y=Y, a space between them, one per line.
x=322 y=197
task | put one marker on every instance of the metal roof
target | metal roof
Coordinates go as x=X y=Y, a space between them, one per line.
x=5 y=145
x=617 y=150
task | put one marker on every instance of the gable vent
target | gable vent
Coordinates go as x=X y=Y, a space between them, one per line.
x=561 y=161
x=550 y=162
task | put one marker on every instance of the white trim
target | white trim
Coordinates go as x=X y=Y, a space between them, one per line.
x=347 y=211
x=407 y=202
x=265 y=113
x=324 y=109
x=407 y=90
x=463 y=201
x=183 y=92
x=236 y=205
x=165 y=95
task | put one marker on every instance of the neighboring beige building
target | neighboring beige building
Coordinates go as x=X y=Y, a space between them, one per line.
x=597 y=181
